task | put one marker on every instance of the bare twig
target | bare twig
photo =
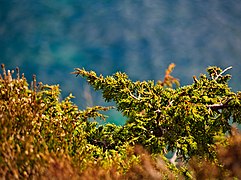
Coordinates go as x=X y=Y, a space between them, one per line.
x=219 y=75
x=219 y=105
x=137 y=98
x=158 y=111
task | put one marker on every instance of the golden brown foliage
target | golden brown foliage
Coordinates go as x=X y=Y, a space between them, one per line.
x=149 y=168
x=168 y=79
x=227 y=165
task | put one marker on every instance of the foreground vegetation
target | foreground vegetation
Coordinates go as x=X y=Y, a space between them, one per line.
x=45 y=138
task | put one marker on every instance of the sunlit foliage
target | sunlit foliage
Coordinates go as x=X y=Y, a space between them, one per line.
x=42 y=136
x=187 y=119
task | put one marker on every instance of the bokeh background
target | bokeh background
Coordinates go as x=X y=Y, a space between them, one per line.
x=50 y=38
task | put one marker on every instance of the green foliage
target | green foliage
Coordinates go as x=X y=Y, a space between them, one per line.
x=36 y=128
x=42 y=137
x=187 y=118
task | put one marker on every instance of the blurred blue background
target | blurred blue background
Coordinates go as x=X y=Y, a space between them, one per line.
x=50 y=38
